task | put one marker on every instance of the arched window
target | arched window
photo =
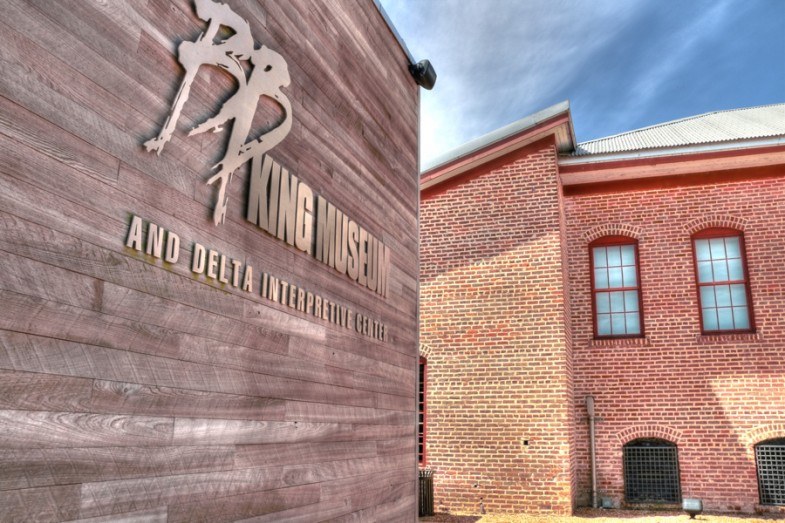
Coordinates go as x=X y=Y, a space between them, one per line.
x=770 y=462
x=421 y=426
x=724 y=298
x=651 y=472
x=616 y=290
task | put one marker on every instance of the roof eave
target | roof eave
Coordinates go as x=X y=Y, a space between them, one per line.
x=673 y=162
x=738 y=145
x=555 y=120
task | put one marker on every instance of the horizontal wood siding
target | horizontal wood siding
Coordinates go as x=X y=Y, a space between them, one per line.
x=134 y=389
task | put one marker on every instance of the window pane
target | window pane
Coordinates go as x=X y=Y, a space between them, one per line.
x=617 y=323
x=738 y=295
x=735 y=270
x=633 y=323
x=710 y=319
x=615 y=268
x=717 y=248
x=741 y=317
x=628 y=255
x=604 y=324
x=720 y=270
x=614 y=278
x=617 y=302
x=707 y=297
x=723 y=295
x=614 y=257
x=704 y=272
x=702 y=250
x=724 y=306
x=733 y=250
x=631 y=301
x=725 y=317
x=600 y=259
x=600 y=278
x=603 y=303
x=630 y=278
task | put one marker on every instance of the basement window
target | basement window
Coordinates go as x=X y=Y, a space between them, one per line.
x=651 y=472
x=770 y=462
x=421 y=411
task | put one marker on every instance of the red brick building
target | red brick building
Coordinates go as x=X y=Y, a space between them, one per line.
x=644 y=270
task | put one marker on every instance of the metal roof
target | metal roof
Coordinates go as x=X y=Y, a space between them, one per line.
x=720 y=126
x=498 y=135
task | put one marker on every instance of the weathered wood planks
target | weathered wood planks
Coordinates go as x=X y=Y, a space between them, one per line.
x=134 y=390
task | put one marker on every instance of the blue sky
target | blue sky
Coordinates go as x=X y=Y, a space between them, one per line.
x=623 y=64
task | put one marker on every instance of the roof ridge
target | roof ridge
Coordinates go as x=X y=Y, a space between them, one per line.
x=671 y=122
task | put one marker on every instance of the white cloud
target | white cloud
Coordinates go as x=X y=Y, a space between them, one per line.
x=680 y=48
x=499 y=60
x=623 y=63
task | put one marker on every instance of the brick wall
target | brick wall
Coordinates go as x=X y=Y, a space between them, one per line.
x=714 y=396
x=496 y=326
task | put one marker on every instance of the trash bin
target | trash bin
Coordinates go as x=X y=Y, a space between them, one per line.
x=426 y=492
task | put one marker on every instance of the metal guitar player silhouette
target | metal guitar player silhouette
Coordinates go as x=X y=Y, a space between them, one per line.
x=268 y=74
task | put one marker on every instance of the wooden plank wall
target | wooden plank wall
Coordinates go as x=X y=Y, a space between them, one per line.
x=131 y=389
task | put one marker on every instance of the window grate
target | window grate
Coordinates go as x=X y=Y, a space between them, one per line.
x=770 y=460
x=651 y=472
x=421 y=410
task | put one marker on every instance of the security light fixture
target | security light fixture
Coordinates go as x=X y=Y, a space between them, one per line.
x=424 y=74
x=693 y=507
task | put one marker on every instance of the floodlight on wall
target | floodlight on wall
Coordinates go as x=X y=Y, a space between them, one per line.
x=691 y=506
x=424 y=74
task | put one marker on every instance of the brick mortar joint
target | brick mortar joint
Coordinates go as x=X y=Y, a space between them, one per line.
x=728 y=338
x=621 y=342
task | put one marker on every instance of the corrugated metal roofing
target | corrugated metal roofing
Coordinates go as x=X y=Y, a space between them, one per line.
x=719 y=126
x=498 y=135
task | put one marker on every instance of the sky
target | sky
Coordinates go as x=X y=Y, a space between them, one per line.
x=622 y=64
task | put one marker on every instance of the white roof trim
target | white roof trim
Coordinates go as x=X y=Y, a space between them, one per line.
x=498 y=135
x=671 y=151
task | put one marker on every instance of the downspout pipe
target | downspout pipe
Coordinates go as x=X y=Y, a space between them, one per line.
x=592 y=450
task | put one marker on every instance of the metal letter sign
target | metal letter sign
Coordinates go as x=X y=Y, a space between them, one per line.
x=268 y=73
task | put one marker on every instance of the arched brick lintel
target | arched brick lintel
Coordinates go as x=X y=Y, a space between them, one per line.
x=649 y=431
x=725 y=221
x=762 y=433
x=612 y=229
x=425 y=350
